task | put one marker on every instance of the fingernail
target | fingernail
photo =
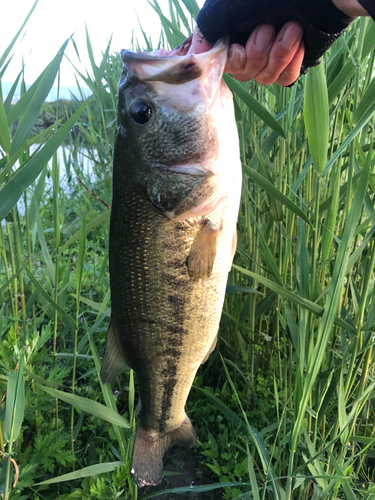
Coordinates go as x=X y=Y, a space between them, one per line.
x=235 y=58
x=264 y=37
x=291 y=36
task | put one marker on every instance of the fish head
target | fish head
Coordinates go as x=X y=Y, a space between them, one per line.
x=176 y=113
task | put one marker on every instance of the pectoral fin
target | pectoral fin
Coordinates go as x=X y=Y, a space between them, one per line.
x=200 y=261
x=113 y=363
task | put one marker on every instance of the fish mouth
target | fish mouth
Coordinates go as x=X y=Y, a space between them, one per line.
x=161 y=55
x=177 y=66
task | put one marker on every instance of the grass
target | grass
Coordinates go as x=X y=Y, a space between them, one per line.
x=284 y=408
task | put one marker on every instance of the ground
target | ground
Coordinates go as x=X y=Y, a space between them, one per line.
x=190 y=469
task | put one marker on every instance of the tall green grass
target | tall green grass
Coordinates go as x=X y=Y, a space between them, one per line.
x=284 y=408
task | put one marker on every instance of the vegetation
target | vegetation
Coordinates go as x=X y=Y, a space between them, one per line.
x=284 y=408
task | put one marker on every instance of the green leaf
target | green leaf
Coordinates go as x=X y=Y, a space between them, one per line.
x=90 y=471
x=341 y=79
x=80 y=261
x=30 y=116
x=45 y=295
x=10 y=46
x=10 y=280
x=180 y=37
x=45 y=252
x=95 y=222
x=297 y=299
x=343 y=418
x=194 y=489
x=9 y=98
x=4 y=130
x=192 y=7
x=366 y=102
x=349 y=493
x=362 y=122
x=21 y=105
x=253 y=104
x=13 y=190
x=316 y=115
x=88 y=406
x=15 y=403
x=40 y=380
x=275 y=193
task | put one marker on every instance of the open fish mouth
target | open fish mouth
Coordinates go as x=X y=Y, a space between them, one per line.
x=179 y=65
x=184 y=49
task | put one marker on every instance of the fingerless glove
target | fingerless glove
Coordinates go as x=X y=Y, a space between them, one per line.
x=369 y=5
x=322 y=22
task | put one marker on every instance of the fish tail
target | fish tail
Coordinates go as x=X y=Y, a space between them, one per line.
x=148 y=452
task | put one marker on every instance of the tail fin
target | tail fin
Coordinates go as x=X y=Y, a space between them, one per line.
x=148 y=452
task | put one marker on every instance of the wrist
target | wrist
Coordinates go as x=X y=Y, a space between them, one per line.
x=350 y=7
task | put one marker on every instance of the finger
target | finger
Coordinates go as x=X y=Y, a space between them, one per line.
x=245 y=63
x=199 y=43
x=292 y=71
x=236 y=59
x=282 y=53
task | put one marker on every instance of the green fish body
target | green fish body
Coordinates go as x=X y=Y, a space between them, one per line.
x=176 y=191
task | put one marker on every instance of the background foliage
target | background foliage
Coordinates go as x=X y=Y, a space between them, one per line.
x=284 y=408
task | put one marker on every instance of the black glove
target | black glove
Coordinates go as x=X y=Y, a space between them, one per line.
x=322 y=22
x=369 y=5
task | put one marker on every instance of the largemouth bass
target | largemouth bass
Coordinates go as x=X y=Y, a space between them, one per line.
x=176 y=192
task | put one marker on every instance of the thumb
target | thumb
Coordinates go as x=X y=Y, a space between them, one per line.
x=199 y=43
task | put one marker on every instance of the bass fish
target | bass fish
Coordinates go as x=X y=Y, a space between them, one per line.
x=176 y=193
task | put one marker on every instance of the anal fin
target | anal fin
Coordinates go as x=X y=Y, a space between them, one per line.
x=113 y=363
x=200 y=261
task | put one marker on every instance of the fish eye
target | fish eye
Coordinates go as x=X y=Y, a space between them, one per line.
x=141 y=112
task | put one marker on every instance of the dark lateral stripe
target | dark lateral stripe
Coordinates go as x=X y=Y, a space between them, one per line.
x=169 y=383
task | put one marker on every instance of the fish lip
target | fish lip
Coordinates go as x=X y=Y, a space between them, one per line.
x=128 y=56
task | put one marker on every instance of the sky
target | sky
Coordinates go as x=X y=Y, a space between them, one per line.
x=53 y=21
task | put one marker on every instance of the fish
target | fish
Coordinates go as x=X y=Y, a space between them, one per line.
x=175 y=201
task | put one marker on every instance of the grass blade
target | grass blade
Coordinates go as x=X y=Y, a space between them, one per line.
x=275 y=193
x=12 y=191
x=194 y=489
x=316 y=115
x=90 y=471
x=4 y=130
x=15 y=403
x=31 y=114
x=44 y=294
x=253 y=104
x=88 y=406
x=286 y=294
x=10 y=46
x=365 y=103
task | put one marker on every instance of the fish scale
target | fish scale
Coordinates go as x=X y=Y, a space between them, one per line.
x=173 y=220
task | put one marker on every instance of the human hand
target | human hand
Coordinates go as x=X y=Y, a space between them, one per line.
x=267 y=57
